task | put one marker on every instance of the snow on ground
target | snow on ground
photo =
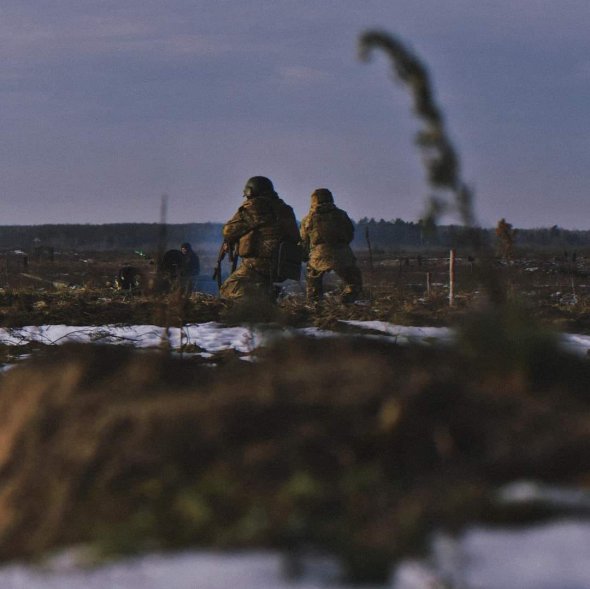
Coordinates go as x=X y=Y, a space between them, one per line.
x=199 y=570
x=208 y=336
x=214 y=337
x=528 y=492
x=579 y=344
x=406 y=334
x=554 y=555
x=575 y=343
x=550 y=556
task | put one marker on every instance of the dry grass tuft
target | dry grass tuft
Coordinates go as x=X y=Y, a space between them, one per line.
x=351 y=445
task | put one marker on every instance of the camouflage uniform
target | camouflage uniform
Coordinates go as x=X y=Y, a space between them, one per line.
x=326 y=233
x=258 y=227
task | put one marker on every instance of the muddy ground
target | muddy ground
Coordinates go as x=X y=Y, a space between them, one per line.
x=408 y=288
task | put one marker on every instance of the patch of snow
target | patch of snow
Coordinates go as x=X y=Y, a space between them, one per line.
x=548 y=556
x=532 y=492
x=213 y=337
x=200 y=570
x=578 y=344
x=407 y=334
x=553 y=556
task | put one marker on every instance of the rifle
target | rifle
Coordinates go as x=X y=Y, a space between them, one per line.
x=231 y=250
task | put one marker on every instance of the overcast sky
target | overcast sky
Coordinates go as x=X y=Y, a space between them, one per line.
x=108 y=104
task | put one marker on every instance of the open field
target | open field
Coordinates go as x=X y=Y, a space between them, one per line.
x=408 y=288
x=355 y=446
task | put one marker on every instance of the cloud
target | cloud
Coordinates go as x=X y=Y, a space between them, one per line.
x=31 y=40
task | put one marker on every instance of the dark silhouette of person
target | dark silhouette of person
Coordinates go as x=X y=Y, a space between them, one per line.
x=189 y=267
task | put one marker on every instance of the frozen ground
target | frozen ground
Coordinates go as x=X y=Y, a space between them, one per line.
x=550 y=556
x=204 y=339
x=213 y=337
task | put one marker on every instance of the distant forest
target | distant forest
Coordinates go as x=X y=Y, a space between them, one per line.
x=116 y=236
x=403 y=234
x=382 y=235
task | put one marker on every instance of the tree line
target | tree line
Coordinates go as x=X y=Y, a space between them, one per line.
x=383 y=235
x=114 y=236
x=388 y=235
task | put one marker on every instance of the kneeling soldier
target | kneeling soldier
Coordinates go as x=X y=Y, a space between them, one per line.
x=326 y=233
x=259 y=227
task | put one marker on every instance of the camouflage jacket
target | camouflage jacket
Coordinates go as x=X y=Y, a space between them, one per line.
x=326 y=232
x=258 y=227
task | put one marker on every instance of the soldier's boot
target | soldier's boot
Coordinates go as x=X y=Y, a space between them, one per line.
x=353 y=284
x=349 y=294
x=314 y=288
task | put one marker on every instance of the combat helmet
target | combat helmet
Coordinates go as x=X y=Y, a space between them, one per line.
x=321 y=196
x=257 y=185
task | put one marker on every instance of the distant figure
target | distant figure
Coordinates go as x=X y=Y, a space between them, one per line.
x=506 y=235
x=178 y=269
x=128 y=278
x=168 y=272
x=189 y=268
x=326 y=233
x=259 y=228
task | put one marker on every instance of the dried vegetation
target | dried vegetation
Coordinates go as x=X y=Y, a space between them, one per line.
x=356 y=447
x=349 y=445
x=405 y=287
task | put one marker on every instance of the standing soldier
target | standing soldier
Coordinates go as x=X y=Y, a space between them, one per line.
x=326 y=233
x=189 y=268
x=259 y=227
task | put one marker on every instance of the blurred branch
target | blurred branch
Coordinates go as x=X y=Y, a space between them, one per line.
x=438 y=154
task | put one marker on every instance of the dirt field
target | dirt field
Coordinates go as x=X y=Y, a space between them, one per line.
x=409 y=288
x=360 y=447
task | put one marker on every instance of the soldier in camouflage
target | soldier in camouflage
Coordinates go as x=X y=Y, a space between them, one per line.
x=326 y=233
x=258 y=227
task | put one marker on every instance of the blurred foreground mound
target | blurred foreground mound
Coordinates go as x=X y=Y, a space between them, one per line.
x=351 y=445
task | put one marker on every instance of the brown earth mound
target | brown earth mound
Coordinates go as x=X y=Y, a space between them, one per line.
x=352 y=445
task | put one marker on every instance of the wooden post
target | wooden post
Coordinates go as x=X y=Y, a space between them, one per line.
x=162 y=229
x=452 y=278
x=428 y=283
x=368 y=239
